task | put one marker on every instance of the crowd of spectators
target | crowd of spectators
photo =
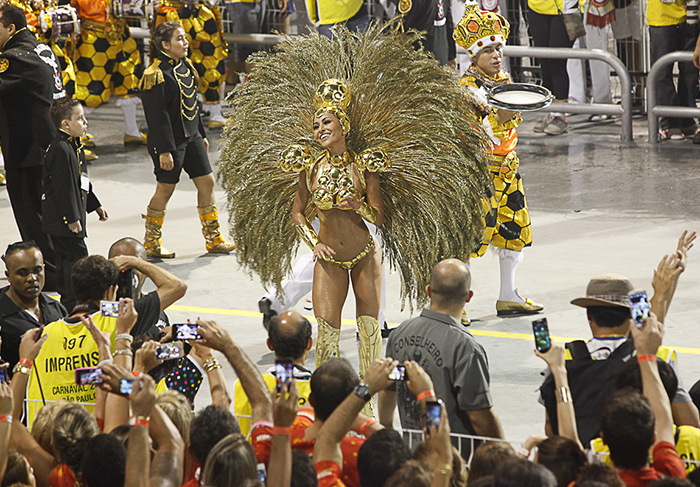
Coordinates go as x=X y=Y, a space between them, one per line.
x=632 y=423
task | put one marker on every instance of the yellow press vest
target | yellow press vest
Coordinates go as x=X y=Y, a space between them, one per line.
x=241 y=405
x=332 y=11
x=69 y=346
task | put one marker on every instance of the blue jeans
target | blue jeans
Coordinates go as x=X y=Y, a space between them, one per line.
x=355 y=25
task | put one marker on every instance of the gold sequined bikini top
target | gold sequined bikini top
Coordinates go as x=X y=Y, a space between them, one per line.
x=335 y=180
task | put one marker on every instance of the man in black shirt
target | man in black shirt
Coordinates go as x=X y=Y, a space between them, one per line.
x=23 y=306
x=30 y=80
x=129 y=253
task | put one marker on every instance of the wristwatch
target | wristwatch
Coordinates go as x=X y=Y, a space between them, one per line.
x=22 y=368
x=362 y=391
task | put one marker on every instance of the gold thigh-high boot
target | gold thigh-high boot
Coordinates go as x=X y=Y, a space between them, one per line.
x=370 y=349
x=327 y=342
x=210 y=229
x=154 y=224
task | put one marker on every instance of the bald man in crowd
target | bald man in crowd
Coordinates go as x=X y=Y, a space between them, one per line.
x=455 y=361
x=129 y=253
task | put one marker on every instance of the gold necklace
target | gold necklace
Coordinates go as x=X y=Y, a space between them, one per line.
x=338 y=161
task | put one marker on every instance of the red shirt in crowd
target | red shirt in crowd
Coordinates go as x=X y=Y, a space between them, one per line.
x=666 y=463
x=262 y=444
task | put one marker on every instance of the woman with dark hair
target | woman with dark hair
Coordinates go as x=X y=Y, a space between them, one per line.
x=176 y=138
x=230 y=462
x=563 y=457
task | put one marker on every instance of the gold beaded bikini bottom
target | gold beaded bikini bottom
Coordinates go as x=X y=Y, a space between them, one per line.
x=349 y=264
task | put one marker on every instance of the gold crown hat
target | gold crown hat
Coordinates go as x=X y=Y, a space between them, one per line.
x=333 y=96
x=477 y=29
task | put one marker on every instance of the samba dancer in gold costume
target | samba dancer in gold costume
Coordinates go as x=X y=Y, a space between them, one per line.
x=507 y=220
x=376 y=131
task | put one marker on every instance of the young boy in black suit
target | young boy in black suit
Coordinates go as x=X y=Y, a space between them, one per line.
x=68 y=195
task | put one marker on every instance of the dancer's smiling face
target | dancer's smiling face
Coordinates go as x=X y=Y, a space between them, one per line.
x=328 y=131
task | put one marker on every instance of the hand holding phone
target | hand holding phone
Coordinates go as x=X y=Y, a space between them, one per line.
x=126 y=386
x=126 y=284
x=541 y=332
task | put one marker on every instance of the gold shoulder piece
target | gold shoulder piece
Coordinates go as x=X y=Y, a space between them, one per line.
x=295 y=158
x=467 y=80
x=152 y=76
x=4 y=64
x=373 y=159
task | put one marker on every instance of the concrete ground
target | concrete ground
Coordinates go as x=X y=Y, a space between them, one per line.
x=597 y=206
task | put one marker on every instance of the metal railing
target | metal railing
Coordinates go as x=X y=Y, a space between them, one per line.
x=624 y=110
x=655 y=111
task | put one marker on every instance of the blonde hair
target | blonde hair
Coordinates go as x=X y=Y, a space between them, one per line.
x=175 y=405
x=72 y=428
x=42 y=427
x=230 y=462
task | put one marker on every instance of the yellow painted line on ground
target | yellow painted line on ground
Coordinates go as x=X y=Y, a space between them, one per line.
x=483 y=333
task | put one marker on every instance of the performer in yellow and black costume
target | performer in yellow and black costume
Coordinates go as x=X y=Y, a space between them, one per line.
x=208 y=49
x=176 y=138
x=107 y=62
x=388 y=139
x=507 y=219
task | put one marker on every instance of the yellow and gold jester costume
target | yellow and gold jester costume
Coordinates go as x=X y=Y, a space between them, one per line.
x=506 y=219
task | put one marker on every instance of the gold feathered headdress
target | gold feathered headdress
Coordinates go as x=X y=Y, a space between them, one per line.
x=403 y=103
x=477 y=29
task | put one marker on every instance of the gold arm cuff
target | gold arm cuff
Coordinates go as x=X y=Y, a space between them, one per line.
x=564 y=395
x=367 y=212
x=308 y=234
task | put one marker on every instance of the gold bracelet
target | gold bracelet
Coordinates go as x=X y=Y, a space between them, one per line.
x=212 y=367
x=367 y=212
x=564 y=395
x=446 y=469
x=124 y=351
x=308 y=234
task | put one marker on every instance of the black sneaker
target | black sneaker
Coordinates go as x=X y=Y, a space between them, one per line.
x=265 y=307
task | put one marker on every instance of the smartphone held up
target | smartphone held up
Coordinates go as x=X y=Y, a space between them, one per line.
x=541 y=332
x=284 y=372
x=639 y=307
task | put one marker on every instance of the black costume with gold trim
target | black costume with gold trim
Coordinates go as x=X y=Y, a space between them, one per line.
x=169 y=95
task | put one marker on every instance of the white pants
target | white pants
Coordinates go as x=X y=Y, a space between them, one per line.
x=596 y=38
x=300 y=281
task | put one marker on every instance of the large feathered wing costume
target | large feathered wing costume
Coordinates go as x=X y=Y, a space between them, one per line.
x=404 y=103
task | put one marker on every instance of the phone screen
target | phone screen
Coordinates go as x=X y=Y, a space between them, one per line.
x=187 y=331
x=169 y=351
x=432 y=414
x=88 y=376
x=262 y=476
x=541 y=332
x=639 y=307
x=3 y=376
x=126 y=386
x=127 y=284
x=399 y=373
x=284 y=371
x=109 y=308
